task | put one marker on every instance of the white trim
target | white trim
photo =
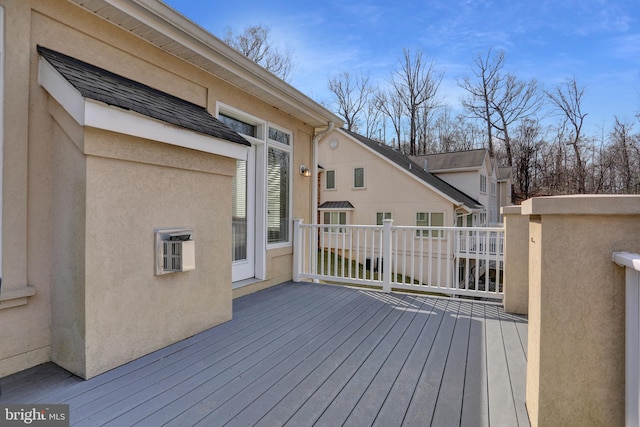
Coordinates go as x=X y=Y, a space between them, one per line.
x=103 y=116
x=95 y=114
x=260 y=124
x=1 y=127
x=219 y=59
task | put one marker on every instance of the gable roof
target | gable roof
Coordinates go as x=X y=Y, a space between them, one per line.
x=504 y=173
x=404 y=162
x=455 y=160
x=101 y=85
x=160 y=25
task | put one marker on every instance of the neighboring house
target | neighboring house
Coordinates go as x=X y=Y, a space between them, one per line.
x=130 y=140
x=364 y=182
x=476 y=174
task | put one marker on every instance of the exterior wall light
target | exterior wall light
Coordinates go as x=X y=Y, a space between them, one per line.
x=304 y=171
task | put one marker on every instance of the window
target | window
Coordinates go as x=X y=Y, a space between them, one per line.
x=483 y=184
x=493 y=188
x=335 y=218
x=464 y=220
x=429 y=219
x=358 y=178
x=239 y=125
x=278 y=187
x=482 y=218
x=330 y=180
x=381 y=216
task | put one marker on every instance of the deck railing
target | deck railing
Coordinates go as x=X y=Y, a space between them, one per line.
x=447 y=260
x=631 y=262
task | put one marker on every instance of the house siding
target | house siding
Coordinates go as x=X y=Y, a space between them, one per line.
x=81 y=205
x=387 y=188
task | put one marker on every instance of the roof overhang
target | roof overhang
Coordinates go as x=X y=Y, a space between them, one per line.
x=98 y=115
x=165 y=28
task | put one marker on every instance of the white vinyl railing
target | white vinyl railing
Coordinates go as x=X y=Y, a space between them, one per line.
x=631 y=262
x=448 y=260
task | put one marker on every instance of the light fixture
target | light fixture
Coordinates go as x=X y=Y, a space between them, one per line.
x=304 y=171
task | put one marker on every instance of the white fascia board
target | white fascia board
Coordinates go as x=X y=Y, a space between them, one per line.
x=167 y=21
x=61 y=90
x=96 y=114
x=102 y=116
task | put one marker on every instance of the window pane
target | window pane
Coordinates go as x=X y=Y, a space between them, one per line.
x=358 y=177
x=239 y=212
x=278 y=167
x=238 y=125
x=437 y=219
x=278 y=135
x=343 y=218
x=331 y=180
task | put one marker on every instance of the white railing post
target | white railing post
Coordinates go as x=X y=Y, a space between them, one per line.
x=386 y=255
x=632 y=334
x=298 y=250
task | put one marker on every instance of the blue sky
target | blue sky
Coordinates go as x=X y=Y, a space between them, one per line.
x=597 y=41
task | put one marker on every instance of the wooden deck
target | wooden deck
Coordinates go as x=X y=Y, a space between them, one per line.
x=310 y=354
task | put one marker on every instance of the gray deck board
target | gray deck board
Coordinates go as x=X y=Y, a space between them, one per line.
x=475 y=406
x=311 y=354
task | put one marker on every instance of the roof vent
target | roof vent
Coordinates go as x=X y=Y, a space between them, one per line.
x=426 y=166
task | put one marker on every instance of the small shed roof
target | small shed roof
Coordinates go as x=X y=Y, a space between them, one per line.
x=468 y=159
x=101 y=85
x=336 y=205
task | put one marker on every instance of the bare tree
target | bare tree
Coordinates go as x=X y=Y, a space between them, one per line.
x=567 y=99
x=515 y=100
x=373 y=121
x=527 y=143
x=253 y=42
x=500 y=100
x=482 y=93
x=351 y=96
x=391 y=105
x=416 y=85
x=625 y=150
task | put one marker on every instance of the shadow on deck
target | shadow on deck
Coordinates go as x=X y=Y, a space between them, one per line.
x=308 y=354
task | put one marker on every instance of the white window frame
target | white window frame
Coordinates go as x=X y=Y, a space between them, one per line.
x=326 y=180
x=426 y=233
x=259 y=145
x=385 y=215
x=364 y=178
x=493 y=188
x=483 y=184
x=335 y=226
x=288 y=149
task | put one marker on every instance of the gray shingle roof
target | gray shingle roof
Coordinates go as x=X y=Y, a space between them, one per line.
x=336 y=205
x=469 y=159
x=102 y=85
x=504 y=173
x=415 y=169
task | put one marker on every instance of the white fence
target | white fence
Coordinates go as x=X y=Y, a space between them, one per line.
x=448 y=260
x=631 y=262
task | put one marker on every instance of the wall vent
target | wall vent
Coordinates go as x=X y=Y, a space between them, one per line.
x=175 y=250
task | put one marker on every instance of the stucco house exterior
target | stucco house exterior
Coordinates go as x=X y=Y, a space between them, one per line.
x=364 y=182
x=475 y=173
x=131 y=139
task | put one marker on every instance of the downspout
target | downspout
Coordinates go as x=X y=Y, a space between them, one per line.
x=314 y=168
